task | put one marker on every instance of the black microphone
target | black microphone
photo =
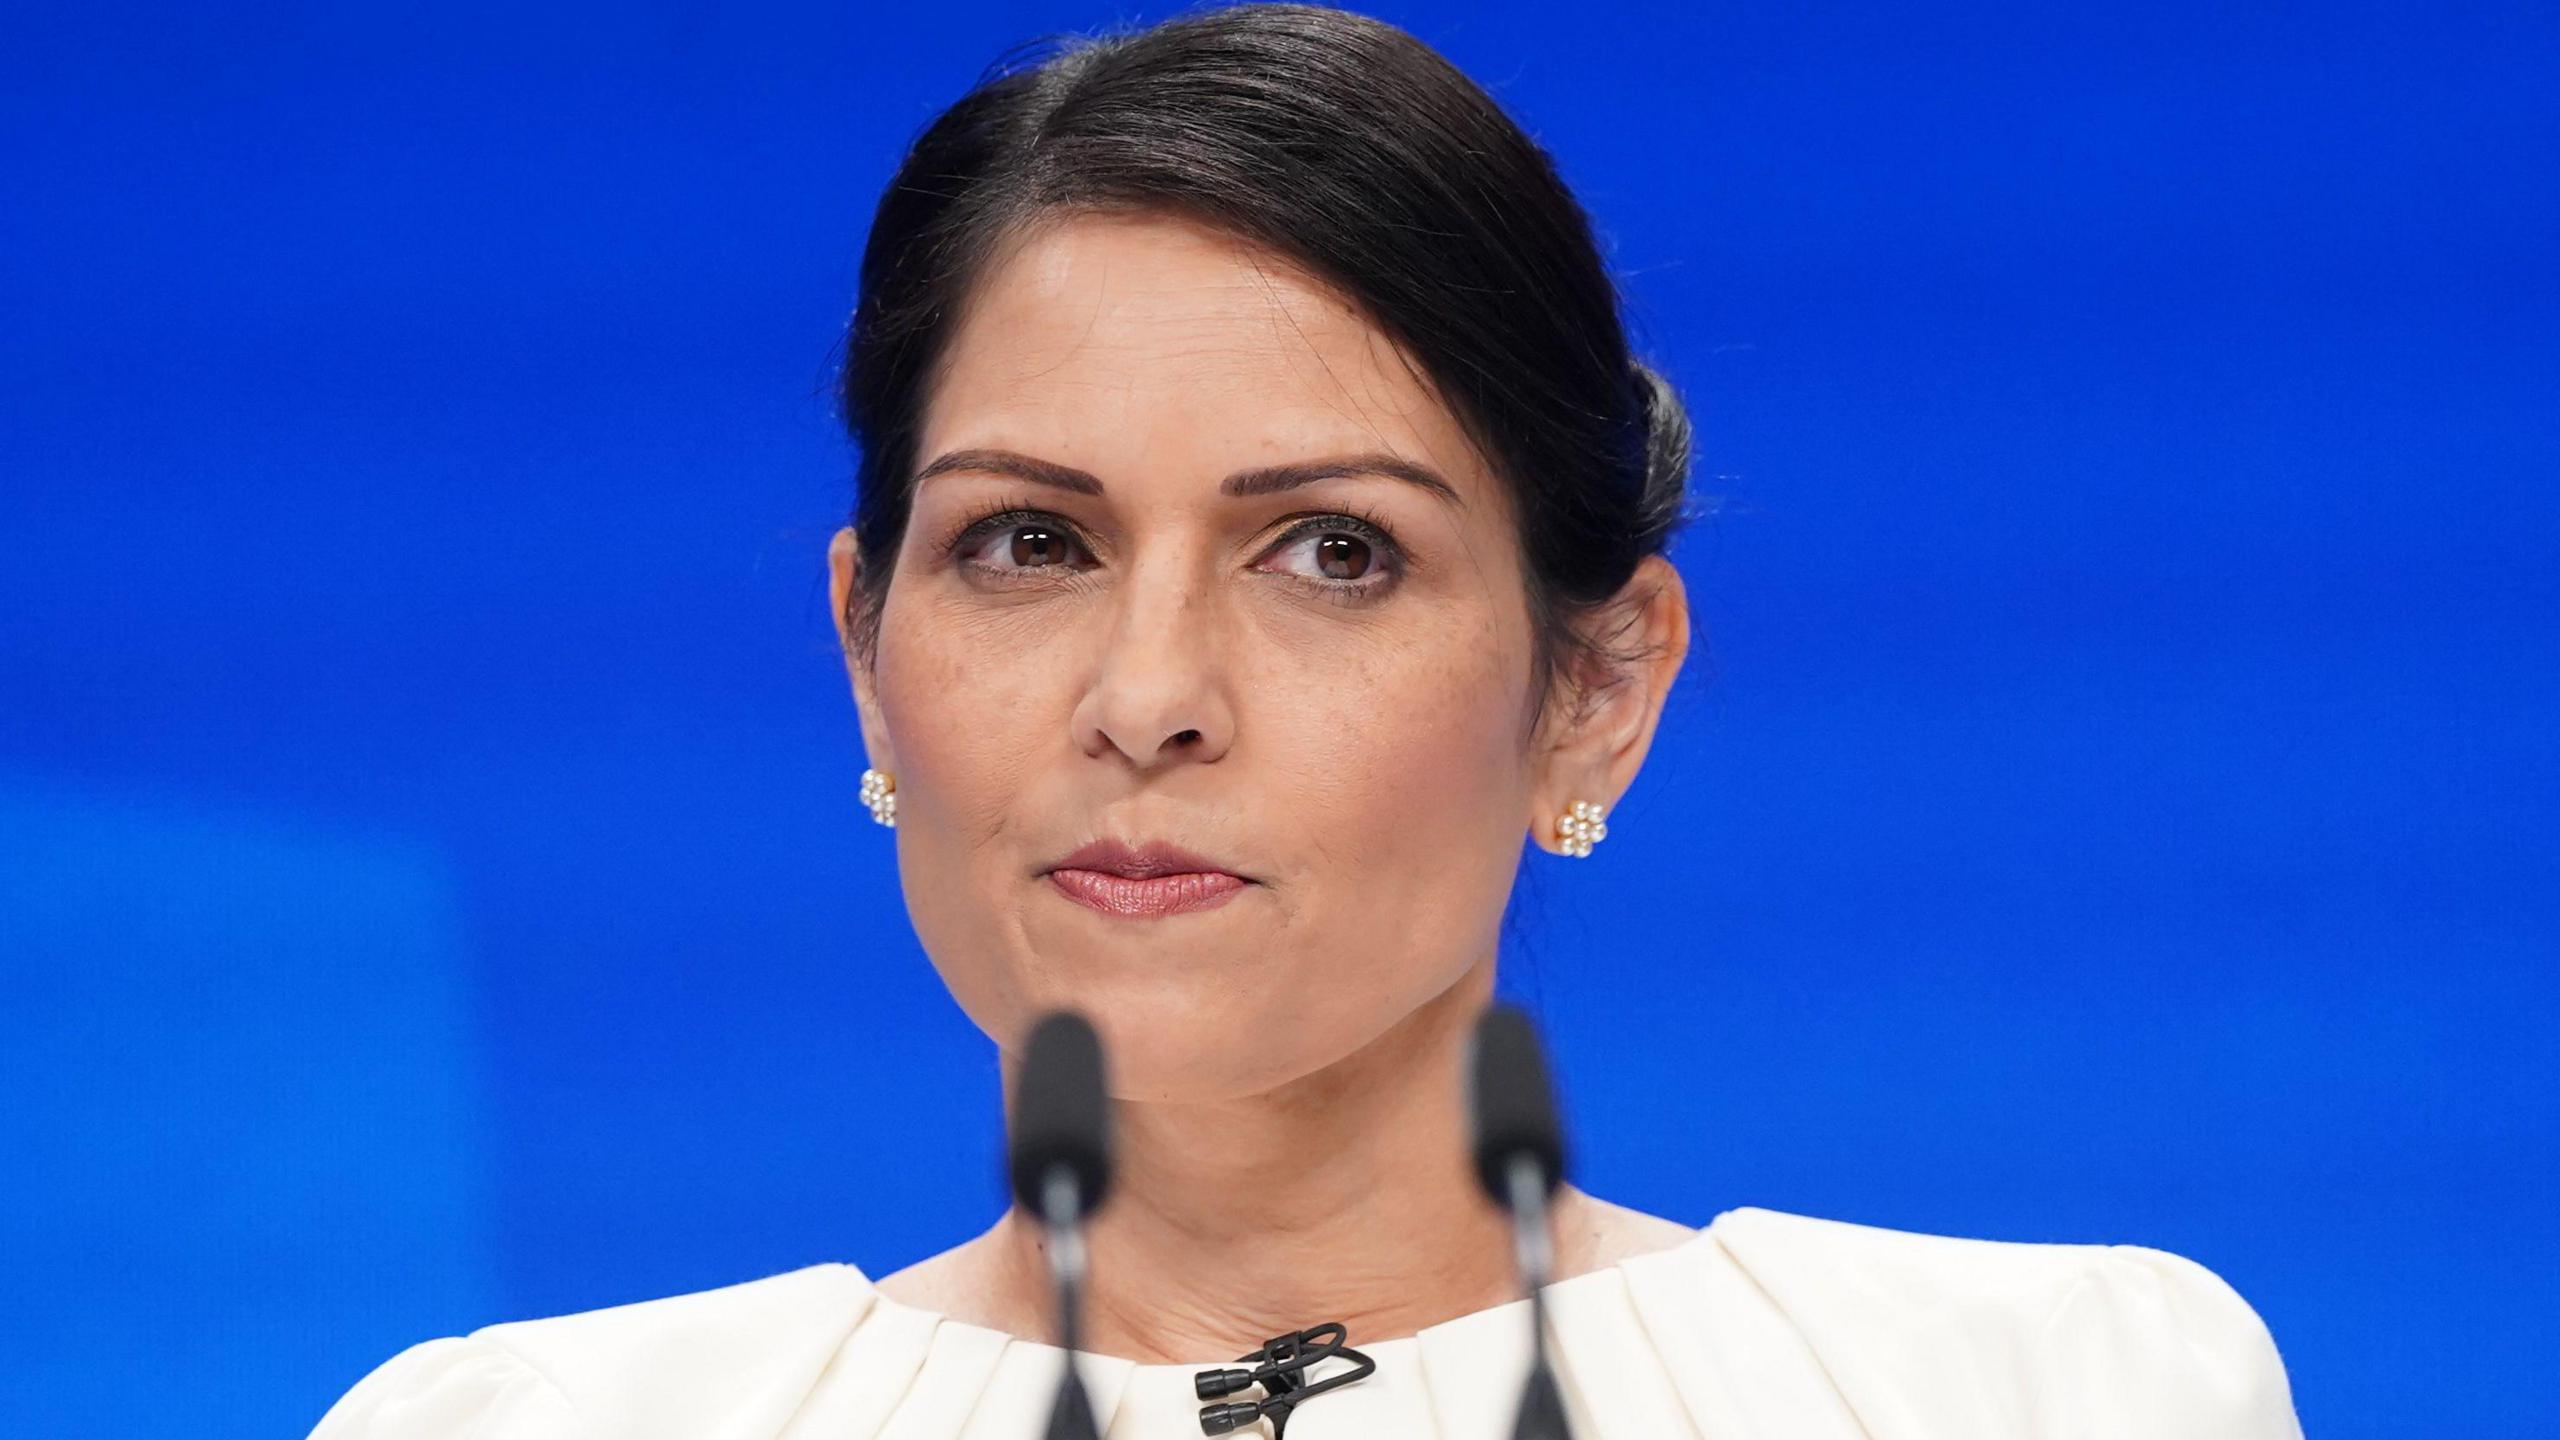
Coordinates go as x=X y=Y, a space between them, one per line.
x=1283 y=1368
x=1519 y=1159
x=1059 y=1153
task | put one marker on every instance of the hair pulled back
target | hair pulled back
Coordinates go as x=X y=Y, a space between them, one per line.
x=1355 y=151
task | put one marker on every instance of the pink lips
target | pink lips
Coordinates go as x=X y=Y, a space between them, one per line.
x=1145 y=881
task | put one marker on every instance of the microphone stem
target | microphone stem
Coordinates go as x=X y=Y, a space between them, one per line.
x=1059 y=1212
x=1533 y=1239
x=1532 y=1242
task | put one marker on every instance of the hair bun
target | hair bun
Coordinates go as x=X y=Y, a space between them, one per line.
x=1662 y=504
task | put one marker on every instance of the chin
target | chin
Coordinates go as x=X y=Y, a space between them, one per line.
x=1188 y=1032
x=1199 y=1035
x=1205 y=1067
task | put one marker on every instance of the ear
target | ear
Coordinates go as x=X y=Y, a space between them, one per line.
x=1602 y=716
x=844 y=591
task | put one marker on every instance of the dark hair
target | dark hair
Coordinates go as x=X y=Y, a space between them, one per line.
x=1357 y=152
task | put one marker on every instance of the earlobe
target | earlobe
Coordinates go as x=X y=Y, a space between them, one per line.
x=1608 y=720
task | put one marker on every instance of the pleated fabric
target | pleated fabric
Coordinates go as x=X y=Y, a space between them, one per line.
x=1761 y=1326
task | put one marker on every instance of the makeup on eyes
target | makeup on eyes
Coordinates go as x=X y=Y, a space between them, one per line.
x=1015 y=513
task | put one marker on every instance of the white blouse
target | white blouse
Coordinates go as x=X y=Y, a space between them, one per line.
x=1761 y=1326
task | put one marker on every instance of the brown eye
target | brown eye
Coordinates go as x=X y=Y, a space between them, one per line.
x=1349 y=559
x=1343 y=557
x=1037 y=545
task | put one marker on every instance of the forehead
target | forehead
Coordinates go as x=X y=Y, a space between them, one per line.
x=1121 y=343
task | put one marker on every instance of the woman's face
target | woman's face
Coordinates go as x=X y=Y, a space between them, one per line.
x=1196 y=560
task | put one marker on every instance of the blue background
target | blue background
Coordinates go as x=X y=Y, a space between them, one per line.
x=2115 y=802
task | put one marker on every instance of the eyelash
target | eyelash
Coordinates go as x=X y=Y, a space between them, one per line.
x=1352 y=520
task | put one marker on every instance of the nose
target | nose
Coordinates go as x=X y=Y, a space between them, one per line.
x=1158 y=693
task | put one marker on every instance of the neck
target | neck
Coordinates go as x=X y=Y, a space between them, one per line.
x=1344 y=1195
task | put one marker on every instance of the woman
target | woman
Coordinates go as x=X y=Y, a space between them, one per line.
x=1261 y=525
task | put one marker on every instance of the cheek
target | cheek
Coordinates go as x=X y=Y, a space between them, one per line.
x=1411 y=749
x=971 y=722
x=958 y=706
x=1408 y=778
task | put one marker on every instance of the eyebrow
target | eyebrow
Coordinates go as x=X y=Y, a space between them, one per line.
x=1267 y=480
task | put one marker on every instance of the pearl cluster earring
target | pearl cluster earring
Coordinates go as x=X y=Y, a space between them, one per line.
x=881 y=794
x=1580 y=828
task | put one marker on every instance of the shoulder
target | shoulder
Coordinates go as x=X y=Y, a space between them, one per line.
x=2119 y=1339
x=679 y=1365
x=1595 y=1234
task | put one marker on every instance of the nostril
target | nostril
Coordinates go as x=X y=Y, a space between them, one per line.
x=1186 y=737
